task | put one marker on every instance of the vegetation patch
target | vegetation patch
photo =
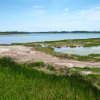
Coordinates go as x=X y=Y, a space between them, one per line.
x=50 y=50
x=68 y=43
x=36 y=64
x=89 y=69
x=19 y=81
x=75 y=42
x=51 y=68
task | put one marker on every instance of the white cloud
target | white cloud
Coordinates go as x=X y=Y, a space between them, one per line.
x=39 y=19
x=92 y=14
x=37 y=7
x=87 y=19
x=38 y=10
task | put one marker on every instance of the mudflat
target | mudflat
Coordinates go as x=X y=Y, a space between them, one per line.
x=24 y=54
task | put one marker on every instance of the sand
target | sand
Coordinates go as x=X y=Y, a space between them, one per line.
x=24 y=54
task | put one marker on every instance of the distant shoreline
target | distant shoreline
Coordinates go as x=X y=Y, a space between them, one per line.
x=12 y=32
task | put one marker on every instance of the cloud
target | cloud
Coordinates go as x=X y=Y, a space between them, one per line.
x=84 y=19
x=38 y=10
x=92 y=14
x=40 y=19
x=37 y=7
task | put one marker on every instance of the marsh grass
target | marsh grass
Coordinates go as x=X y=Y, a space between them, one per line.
x=36 y=64
x=20 y=82
x=68 y=43
x=50 y=50
x=74 y=42
x=51 y=68
x=88 y=69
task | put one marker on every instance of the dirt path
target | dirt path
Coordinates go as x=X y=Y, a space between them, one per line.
x=28 y=54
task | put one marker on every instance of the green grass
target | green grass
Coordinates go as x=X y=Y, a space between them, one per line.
x=89 y=69
x=14 y=33
x=70 y=43
x=51 y=68
x=75 y=42
x=20 y=82
x=50 y=50
x=95 y=79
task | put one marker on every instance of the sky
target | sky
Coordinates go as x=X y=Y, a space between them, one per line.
x=49 y=15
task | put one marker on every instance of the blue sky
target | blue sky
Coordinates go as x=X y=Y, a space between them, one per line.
x=49 y=15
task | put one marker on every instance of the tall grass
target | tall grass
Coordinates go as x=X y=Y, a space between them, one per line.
x=20 y=82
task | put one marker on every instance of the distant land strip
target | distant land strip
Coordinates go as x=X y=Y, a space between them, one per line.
x=22 y=32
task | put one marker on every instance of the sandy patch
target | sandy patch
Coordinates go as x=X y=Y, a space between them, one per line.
x=28 y=54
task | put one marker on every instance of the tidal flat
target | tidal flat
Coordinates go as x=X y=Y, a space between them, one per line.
x=50 y=45
x=35 y=71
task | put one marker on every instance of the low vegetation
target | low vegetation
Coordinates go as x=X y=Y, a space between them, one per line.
x=97 y=70
x=68 y=43
x=48 y=32
x=23 y=82
x=75 y=42
x=50 y=50
x=13 y=33
x=94 y=77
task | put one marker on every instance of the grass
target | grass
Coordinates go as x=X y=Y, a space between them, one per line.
x=13 y=33
x=36 y=64
x=95 y=78
x=89 y=69
x=70 y=43
x=75 y=42
x=51 y=68
x=20 y=82
x=91 y=57
x=50 y=50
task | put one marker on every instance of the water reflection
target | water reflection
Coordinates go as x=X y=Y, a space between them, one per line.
x=79 y=50
x=8 y=39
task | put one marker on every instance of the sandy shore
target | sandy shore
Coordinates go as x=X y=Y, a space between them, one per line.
x=29 y=54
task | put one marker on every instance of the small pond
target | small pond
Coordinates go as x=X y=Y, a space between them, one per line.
x=75 y=50
x=78 y=50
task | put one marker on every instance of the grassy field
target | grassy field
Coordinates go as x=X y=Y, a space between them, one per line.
x=21 y=82
x=95 y=78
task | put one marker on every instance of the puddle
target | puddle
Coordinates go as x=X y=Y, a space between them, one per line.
x=79 y=50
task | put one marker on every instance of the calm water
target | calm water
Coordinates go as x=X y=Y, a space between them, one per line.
x=8 y=39
x=79 y=50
